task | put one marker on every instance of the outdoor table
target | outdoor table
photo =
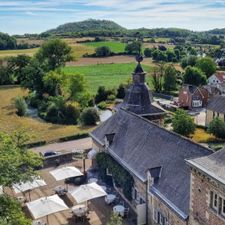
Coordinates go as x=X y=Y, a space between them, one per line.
x=38 y=222
x=92 y=180
x=110 y=198
x=119 y=209
x=79 y=210
x=60 y=190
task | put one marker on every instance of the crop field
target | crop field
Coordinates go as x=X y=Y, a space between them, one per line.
x=7 y=53
x=115 y=46
x=108 y=75
x=37 y=129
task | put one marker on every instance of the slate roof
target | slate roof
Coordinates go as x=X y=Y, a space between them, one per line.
x=139 y=145
x=217 y=104
x=213 y=165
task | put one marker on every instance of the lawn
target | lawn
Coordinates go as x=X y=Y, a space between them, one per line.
x=108 y=75
x=115 y=46
x=37 y=129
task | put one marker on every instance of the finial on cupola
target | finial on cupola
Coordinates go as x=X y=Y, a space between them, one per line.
x=138 y=69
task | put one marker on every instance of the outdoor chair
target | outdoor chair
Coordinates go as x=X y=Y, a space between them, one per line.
x=126 y=212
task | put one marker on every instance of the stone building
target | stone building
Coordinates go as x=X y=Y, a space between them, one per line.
x=152 y=155
x=207 y=200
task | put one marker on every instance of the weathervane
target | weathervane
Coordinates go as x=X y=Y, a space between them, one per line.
x=139 y=58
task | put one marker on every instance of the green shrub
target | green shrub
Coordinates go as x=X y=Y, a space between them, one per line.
x=102 y=105
x=111 y=97
x=148 y=52
x=103 y=51
x=217 y=128
x=89 y=116
x=21 y=106
x=121 y=91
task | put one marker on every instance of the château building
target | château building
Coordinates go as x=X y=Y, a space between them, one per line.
x=160 y=163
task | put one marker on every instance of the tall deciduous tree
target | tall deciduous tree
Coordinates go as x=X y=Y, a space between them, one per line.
x=194 y=76
x=183 y=123
x=170 y=79
x=207 y=65
x=217 y=128
x=55 y=53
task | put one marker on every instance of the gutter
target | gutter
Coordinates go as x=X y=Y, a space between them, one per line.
x=157 y=193
x=207 y=172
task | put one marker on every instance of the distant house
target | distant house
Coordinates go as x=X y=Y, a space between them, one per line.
x=191 y=96
x=218 y=80
x=207 y=198
x=215 y=108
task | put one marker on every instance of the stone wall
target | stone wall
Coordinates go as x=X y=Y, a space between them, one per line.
x=201 y=212
x=155 y=204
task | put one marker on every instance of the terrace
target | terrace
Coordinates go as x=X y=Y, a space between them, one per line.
x=98 y=211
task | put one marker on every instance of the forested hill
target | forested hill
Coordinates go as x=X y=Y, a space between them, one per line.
x=91 y=25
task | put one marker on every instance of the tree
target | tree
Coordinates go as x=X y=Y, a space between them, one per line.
x=55 y=53
x=158 y=77
x=34 y=73
x=17 y=64
x=133 y=48
x=6 y=75
x=148 y=52
x=101 y=95
x=183 y=123
x=103 y=51
x=188 y=61
x=169 y=78
x=115 y=220
x=17 y=164
x=171 y=56
x=89 y=116
x=121 y=91
x=21 y=106
x=53 y=83
x=207 y=65
x=75 y=87
x=194 y=76
x=217 y=128
x=11 y=212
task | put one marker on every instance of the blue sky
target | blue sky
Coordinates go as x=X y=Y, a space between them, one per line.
x=35 y=16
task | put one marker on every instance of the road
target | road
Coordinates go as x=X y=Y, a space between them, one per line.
x=68 y=146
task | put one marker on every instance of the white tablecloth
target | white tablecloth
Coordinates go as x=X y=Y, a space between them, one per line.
x=92 y=180
x=119 y=209
x=79 y=210
x=110 y=198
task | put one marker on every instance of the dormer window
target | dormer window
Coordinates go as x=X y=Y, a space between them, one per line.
x=109 y=139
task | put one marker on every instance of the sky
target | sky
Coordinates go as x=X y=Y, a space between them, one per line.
x=36 y=16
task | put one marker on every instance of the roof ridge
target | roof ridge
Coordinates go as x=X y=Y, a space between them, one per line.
x=168 y=131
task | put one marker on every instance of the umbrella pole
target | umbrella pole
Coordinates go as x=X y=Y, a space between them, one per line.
x=29 y=195
x=84 y=164
x=47 y=220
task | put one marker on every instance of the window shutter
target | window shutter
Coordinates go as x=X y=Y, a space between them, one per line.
x=211 y=199
x=220 y=205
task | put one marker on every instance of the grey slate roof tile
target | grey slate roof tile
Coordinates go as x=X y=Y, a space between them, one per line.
x=139 y=145
x=217 y=104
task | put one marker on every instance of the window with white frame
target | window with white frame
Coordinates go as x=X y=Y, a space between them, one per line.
x=217 y=203
x=159 y=218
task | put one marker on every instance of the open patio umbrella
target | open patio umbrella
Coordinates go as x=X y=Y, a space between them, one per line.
x=65 y=172
x=29 y=185
x=87 y=192
x=46 y=206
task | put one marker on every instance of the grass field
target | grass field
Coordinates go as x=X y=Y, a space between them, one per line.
x=113 y=45
x=37 y=129
x=7 y=53
x=108 y=75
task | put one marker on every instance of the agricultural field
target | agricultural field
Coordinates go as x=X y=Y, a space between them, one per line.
x=36 y=128
x=7 y=53
x=115 y=46
x=108 y=75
